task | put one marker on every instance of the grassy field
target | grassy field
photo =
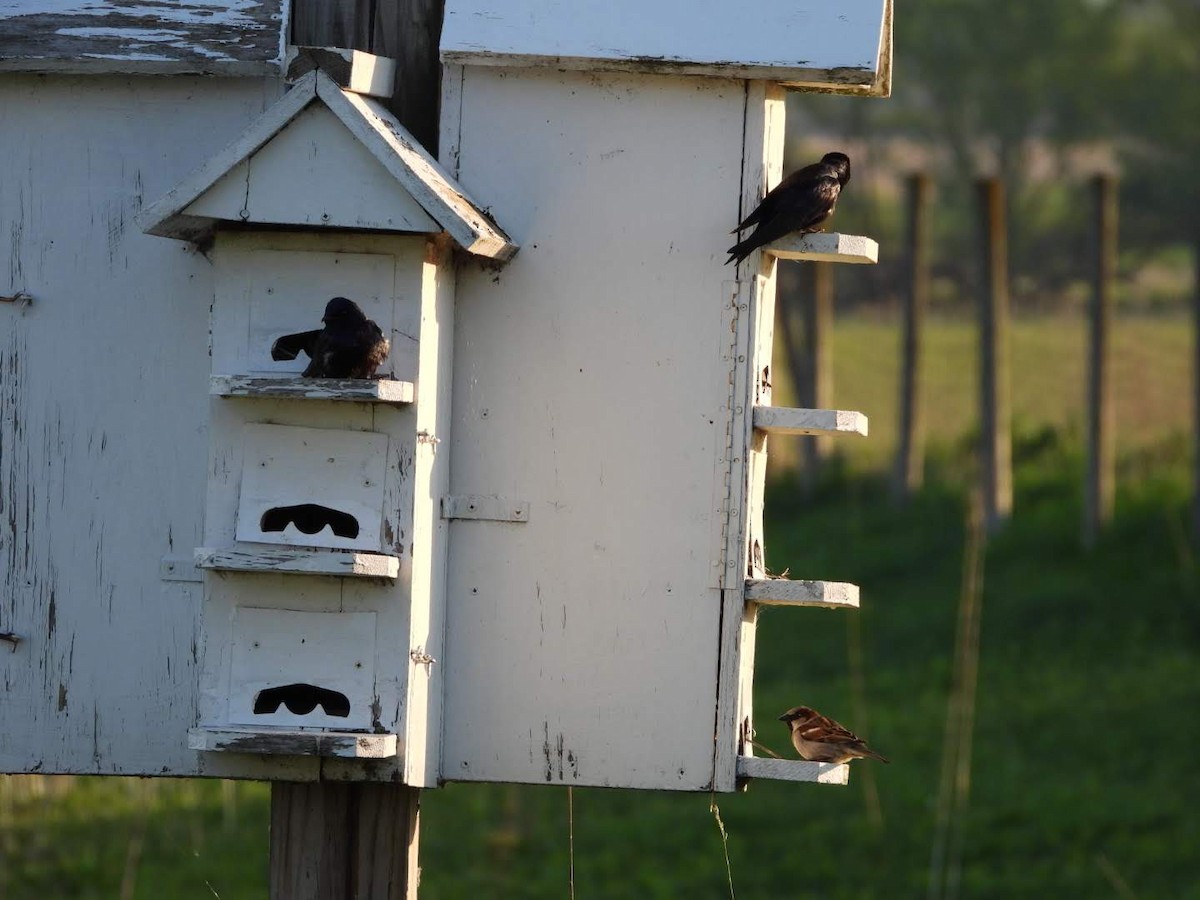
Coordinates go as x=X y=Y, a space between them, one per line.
x=1151 y=380
x=1085 y=779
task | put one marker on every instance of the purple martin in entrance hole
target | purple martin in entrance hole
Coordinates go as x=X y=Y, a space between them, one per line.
x=349 y=346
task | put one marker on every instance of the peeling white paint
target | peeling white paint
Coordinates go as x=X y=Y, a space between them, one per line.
x=204 y=36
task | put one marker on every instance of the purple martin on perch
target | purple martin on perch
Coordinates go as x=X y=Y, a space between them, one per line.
x=349 y=346
x=821 y=739
x=800 y=203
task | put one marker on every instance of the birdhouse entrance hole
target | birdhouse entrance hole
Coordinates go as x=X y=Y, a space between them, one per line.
x=310 y=518
x=301 y=699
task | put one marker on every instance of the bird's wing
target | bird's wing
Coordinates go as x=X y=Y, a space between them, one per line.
x=825 y=730
x=766 y=209
x=290 y=345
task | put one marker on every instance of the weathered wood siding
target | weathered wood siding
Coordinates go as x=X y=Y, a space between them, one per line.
x=220 y=37
x=594 y=373
x=104 y=401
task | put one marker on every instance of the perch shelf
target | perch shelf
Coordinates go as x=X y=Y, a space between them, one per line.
x=792 y=770
x=292 y=387
x=282 y=742
x=826 y=247
x=299 y=561
x=786 y=420
x=784 y=592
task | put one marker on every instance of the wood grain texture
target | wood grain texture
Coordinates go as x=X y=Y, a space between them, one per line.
x=785 y=592
x=281 y=742
x=344 y=841
x=126 y=36
x=343 y=563
x=788 y=420
x=357 y=390
x=335 y=23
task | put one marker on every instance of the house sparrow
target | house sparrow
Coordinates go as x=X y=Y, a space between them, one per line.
x=821 y=739
x=799 y=203
x=349 y=346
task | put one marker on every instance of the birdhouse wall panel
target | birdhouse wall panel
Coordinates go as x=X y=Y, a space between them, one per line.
x=581 y=644
x=102 y=464
x=312 y=487
x=313 y=173
x=294 y=668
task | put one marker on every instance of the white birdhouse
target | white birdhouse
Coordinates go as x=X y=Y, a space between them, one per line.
x=529 y=549
x=323 y=532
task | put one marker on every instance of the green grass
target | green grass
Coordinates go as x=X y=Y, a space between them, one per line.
x=1151 y=380
x=1085 y=766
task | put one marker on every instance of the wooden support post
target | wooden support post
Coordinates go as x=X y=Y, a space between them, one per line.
x=407 y=31
x=344 y=841
x=1196 y=389
x=359 y=840
x=995 y=414
x=817 y=356
x=1099 y=490
x=910 y=453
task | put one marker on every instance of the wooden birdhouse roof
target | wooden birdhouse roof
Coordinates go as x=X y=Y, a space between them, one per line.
x=823 y=45
x=331 y=158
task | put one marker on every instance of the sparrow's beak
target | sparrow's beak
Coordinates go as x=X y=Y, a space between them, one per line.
x=785 y=718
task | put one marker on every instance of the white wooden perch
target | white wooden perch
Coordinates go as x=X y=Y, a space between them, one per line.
x=784 y=592
x=289 y=387
x=792 y=770
x=789 y=420
x=300 y=562
x=282 y=742
x=826 y=247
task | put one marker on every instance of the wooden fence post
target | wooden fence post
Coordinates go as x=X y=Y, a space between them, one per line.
x=817 y=354
x=995 y=409
x=1099 y=488
x=909 y=474
x=1196 y=389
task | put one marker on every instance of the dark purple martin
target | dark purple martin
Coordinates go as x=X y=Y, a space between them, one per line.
x=349 y=346
x=799 y=203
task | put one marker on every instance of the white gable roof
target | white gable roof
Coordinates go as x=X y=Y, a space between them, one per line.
x=323 y=156
x=843 y=45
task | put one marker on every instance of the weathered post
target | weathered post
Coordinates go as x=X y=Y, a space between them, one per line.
x=1100 y=486
x=910 y=454
x=817 y=357
x=994 y=408
x=1196 y=389
x=341 y=840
